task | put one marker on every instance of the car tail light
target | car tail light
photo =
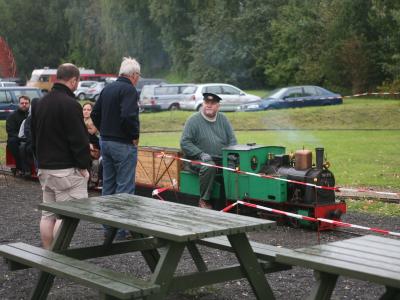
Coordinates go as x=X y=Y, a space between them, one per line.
x=193 y=97
x=152 y=101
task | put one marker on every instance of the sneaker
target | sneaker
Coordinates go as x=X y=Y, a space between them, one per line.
x=205 y=204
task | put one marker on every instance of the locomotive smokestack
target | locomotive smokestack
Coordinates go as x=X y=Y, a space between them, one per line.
x=319 y=154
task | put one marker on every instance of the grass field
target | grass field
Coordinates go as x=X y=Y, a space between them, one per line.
x=361 y=137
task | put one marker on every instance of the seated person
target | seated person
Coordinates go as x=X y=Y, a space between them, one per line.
x=87 y=110
x=94 y=145
x=205 y=134
x=25 y=148
x=13 y=125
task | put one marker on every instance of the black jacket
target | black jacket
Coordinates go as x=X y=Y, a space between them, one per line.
x=59 y=136
x=116 y=113
x=14 y=121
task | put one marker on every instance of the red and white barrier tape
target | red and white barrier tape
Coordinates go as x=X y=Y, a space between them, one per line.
x=157 y=192
x=301 y=217
x=6 y=110
x=373 y=94
x=332 y=188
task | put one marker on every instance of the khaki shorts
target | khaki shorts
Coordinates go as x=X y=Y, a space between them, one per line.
x=61 y=185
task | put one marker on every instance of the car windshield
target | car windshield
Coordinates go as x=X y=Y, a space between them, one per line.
x=190 y=90
x=276 y=93
x=84 y=84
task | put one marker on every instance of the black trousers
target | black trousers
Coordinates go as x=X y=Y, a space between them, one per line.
x=13 y=145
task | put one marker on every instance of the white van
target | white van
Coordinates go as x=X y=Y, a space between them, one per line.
x=44 y=79
x=161 y=97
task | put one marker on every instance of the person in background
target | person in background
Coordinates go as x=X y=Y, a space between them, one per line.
x=87 y=110
x=61 y=146
x=13 y=124
x=94 y=145
x=116 y=115
x=204 y=135
x=25 y=148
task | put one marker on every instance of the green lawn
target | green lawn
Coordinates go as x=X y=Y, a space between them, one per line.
x=358 y=158
x=361 y=137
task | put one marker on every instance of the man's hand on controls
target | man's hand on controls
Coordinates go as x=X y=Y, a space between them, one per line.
x=204 y=157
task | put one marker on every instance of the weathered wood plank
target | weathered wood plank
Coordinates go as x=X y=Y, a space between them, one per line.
x=382 y=251
x=153 y=207
x=150 y=206
x=114 y=249
x=109 y=282
x=355 y=256
x=124 y=210
x=335 y=266
x=380 y=239
x=152 y=217
x=262 y=251
x=129 y=224
x=194 y=280
x=174 y=208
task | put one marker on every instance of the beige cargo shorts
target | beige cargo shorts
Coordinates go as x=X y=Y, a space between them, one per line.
x=62 y=185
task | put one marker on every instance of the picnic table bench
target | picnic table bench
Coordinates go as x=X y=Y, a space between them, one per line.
x=370 y=258
x=155 y=224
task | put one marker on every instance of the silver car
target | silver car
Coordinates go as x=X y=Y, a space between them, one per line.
x=83 y=86
x=232 y=97
x=7 y=83
x=93 y=93
x=162 y=97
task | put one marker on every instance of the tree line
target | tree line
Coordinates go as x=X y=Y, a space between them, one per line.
x=348 y=46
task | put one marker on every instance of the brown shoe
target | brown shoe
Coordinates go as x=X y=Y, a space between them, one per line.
x=205 y=204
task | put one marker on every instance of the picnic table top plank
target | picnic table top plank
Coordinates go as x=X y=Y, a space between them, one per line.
x=197 y=214
x=384 y=254
x=142 y=215
x=136 y=211
x=378 y=239
x=80 y=271
x=354 y=256
x=374 y=247
x=154 y=217
x=367 y=264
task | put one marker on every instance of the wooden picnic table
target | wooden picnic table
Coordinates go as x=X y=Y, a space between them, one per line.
x=370 y=258
x=157 y=224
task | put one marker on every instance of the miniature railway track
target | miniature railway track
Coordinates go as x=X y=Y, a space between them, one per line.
x=342 y=195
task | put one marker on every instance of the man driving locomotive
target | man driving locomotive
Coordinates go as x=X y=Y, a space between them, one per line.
x=204 y=135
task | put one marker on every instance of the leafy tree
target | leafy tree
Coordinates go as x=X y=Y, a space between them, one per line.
x=35 y=43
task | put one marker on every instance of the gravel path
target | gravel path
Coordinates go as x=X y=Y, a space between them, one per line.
x=19 y=221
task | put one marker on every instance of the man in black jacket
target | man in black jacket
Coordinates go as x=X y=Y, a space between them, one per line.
x=116 y=115
x=13 y=125
x=61 y=147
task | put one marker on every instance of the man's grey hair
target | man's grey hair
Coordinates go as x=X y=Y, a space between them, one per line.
x=129 y=66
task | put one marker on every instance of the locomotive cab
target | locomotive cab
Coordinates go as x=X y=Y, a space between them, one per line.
x=251 y=158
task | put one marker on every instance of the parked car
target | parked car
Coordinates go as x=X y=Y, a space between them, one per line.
x=7 y=83
x=147 y=81
x=9 y=98
x=232 y=97
x=93 y=93
x=83 y=86
x=294 y=96
x=161 y=97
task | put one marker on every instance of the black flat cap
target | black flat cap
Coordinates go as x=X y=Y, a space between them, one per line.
x=211 y=97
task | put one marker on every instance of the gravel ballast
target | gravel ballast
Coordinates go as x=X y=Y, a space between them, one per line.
x=19 y=222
